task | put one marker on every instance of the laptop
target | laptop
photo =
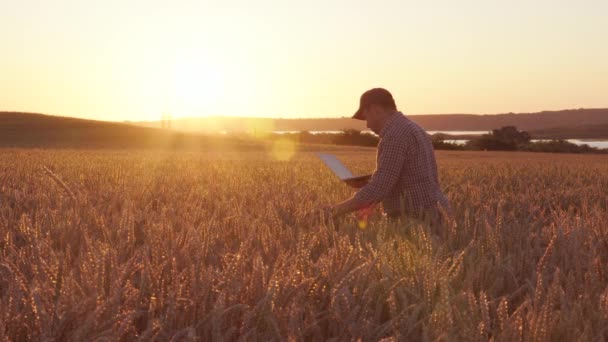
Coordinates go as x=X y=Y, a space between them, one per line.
x=343 y=172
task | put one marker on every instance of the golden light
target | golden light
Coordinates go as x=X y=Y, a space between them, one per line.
x=283 y=149
x=194 y=85
x=259 y=128
x=362 y=224
x=362 y=217
x=211 y=125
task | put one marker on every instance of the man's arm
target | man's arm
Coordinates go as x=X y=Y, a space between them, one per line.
x=391 y=156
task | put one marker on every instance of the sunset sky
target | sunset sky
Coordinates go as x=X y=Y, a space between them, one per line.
x=133 y=60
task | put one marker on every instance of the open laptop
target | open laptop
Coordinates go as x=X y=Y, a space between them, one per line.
x=343 y=172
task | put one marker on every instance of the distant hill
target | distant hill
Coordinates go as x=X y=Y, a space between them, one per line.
x=246 y=124
x=440 y=122
x=573 y=132
x=524 y=121
x=38 y=130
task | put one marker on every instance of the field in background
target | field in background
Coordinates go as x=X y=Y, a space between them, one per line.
x=141 y=245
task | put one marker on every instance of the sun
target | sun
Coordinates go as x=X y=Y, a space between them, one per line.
x=194 y=85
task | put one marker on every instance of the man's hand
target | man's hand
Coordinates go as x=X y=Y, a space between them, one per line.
x=358 y=182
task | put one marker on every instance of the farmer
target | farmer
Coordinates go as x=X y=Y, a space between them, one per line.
x=405 y=179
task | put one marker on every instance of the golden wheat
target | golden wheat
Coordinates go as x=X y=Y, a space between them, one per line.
x=187 y=246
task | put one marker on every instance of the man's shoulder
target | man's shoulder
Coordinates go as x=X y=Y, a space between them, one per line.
x=402 y=125
x=409 y=122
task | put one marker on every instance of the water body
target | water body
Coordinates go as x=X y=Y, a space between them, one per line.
x=318 y=132
x=592 y=143
x=459 y=132
x=370 y=132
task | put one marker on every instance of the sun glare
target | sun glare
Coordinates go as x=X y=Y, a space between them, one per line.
x=259 y=128
x=194 y=86
x=283 y=149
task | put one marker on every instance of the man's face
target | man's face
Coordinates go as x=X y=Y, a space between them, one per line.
x=374 y=118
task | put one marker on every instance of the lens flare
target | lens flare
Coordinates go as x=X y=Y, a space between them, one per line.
x=283 y=149
x=363 y=224
x=259 y=128
x=362 y=217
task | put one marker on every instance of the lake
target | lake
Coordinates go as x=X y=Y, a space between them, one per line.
x=370 y=132
x=592 y=143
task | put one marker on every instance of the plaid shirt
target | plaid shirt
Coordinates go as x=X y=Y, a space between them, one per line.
x=406 y=178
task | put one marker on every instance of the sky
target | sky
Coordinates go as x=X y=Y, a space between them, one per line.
x=135 y=60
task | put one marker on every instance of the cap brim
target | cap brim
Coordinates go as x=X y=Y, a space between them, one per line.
x=359 y=115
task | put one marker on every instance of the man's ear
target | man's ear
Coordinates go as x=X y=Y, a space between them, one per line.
x=374 y=109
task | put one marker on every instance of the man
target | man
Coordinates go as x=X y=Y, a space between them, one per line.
x=405 y=179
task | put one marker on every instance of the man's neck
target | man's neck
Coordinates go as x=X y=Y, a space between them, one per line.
x=386 y=120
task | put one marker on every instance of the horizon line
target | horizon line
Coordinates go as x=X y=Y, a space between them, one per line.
x=295 y=118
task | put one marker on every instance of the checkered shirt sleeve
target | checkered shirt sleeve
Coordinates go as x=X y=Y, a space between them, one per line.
x=392 y=151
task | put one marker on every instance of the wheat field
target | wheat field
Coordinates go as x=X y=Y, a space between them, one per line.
x=144 y=245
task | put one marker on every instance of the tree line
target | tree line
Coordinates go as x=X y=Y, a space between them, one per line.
x=507 y=138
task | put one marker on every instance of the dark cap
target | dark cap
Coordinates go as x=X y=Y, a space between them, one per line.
x=375 y=96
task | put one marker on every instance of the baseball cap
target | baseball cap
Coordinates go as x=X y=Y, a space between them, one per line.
x=375 y=96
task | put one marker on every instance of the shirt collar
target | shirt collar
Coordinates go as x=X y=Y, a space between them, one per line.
x=388 y=123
